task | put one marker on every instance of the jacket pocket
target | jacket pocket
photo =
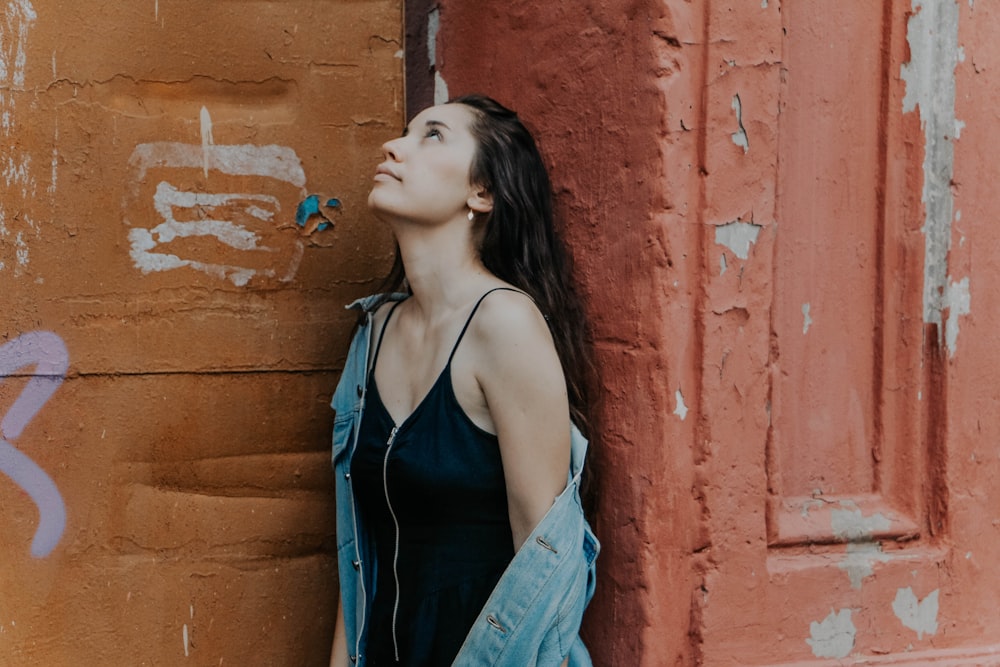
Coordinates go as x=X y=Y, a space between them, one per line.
x=342 y=431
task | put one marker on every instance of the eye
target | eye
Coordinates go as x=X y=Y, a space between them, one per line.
x=434 y=133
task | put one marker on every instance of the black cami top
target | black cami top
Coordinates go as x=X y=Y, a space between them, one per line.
x=431 y=492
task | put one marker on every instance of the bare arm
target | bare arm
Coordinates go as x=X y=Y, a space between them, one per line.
x=525 y=390
x=338 y=655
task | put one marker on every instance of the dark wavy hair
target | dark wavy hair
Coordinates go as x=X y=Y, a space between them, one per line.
x=518 y=240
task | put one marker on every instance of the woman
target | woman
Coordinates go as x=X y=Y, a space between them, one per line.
x=460 y=534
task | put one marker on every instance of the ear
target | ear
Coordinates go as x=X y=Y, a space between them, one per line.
x=480 y=200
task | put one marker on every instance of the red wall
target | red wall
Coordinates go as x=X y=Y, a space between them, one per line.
x=781 y=215
x=586 y=77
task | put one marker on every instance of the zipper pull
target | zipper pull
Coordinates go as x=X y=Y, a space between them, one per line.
x=392 y=436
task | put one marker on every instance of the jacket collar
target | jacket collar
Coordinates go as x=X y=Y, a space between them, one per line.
x=366 y=303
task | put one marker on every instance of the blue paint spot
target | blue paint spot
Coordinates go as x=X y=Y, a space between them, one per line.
x=309 y=207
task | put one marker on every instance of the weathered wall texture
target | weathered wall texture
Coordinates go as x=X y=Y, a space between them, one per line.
x=169 y=336
x=782 y=217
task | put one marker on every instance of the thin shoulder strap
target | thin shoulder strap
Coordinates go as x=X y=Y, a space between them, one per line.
x=472 y=314
x=381 y=335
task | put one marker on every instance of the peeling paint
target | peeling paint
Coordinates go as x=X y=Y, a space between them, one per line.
x=740 y=137
x=918 y=615
x=932 y=35
x=681 y=409
x=433 y=27
x=851 y=525
x=738 y=236
x=958 y=302
x=861 y=556
x=807 y=319
x=833 y=637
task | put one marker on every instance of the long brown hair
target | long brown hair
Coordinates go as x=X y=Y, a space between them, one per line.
x=519 y=243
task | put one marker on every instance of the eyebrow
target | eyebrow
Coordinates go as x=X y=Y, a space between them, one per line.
x=429 y=123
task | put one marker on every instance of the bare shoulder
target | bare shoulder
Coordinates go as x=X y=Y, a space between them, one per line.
x=514 y=348
x=508 y=318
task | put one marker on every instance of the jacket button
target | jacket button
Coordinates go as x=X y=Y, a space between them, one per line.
x=356 y=564
x=347 y=475
x=360 y=392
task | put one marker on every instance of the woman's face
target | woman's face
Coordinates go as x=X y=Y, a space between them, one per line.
x=424 y=175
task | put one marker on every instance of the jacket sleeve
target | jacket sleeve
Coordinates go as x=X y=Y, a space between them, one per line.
x=533 y=616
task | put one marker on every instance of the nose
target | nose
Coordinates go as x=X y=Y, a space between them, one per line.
x=391 y=149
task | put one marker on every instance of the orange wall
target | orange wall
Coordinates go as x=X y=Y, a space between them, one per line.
x=171 y=501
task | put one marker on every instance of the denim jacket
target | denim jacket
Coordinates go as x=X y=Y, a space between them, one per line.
x=533 y=616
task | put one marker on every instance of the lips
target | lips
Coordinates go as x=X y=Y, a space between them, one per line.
x=384 y=170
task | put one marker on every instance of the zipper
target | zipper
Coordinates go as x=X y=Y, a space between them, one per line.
x=395 y=555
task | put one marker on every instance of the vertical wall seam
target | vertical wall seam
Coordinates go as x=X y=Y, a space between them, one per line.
x=699 y=428
x=881 y=238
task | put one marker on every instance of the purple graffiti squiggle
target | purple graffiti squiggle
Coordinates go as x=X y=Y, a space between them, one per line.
x=47 y=353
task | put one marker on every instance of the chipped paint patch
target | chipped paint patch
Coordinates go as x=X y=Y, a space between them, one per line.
x=852 y=526
x=861 y=556
x=740 y=135
x=918 y=615
x=932 y=35
x=440 y=89
x=738 y=236
x=833 y=637
x=681 y=409
x=958 y=301
x=807 y=319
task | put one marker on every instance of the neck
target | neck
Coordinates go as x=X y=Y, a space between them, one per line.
x=442 y=266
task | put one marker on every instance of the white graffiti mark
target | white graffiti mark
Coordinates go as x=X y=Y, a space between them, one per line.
x=214 y=215
x=47 y=353
x=18 y=17
x=168 y=198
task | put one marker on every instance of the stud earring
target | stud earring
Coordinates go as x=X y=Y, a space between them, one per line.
x=472 y=215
